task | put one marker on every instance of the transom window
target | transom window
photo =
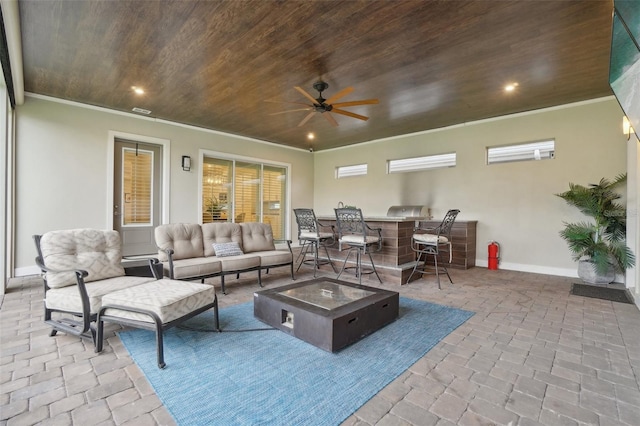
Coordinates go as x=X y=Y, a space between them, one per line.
x=542 y=150
x=414 y=164
x=348 y=171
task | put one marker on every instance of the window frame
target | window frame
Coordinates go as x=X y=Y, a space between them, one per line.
x=351 y=170
x=520 y=155
x=429 y=162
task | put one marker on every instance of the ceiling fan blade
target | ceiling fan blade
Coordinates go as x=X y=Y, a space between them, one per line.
x=330 y=119
x=304 y=120
x=306 y=95
x=284 y=102
x=350 y=114
x=343 y=92
x=354 y=103
x=291 y=110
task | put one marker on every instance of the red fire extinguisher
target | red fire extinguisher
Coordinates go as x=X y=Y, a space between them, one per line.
x=494 y=255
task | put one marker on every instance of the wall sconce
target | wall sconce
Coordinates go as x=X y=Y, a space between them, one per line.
x=186 y=163
x=626 y=127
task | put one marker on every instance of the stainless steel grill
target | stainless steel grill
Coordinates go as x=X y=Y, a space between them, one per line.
x=409 y=211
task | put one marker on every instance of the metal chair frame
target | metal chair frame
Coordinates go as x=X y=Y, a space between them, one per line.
x=77 y=323
x=311 y=238
x=424 y=249
x=356 y=235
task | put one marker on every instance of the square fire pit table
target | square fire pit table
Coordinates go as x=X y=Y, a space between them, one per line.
x=325 y=312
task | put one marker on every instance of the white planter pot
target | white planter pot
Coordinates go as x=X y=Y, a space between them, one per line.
x=588 y=274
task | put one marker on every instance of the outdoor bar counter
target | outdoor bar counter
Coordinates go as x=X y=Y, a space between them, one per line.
x=396 y=259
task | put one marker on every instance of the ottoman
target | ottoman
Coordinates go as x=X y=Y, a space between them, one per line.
x=156 y=305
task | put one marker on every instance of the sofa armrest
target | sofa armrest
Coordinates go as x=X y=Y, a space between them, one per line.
x=153 y=264
x=169 y=252
x=284 y=241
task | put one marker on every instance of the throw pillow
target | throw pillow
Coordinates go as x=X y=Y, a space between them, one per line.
x=227 y=249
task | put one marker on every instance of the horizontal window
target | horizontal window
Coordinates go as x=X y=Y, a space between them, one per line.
x=348 y=171
x=421 y=163
x=521 y=152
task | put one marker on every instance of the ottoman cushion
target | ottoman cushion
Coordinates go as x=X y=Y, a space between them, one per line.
x=168 y=299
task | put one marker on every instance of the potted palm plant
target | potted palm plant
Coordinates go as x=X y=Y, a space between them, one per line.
x=598 y=246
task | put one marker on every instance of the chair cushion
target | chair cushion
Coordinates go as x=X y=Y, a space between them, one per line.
x=96 y=251
x=306 y=235
x=68 y=298
x=169 y=299
x=359 y=239
x=227 y=249
x=196 y=267
x=257 y=237
x=220 y=233
x=184 y=238
x=430 y=239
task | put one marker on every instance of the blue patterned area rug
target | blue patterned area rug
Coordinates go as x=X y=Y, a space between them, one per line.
x=266 y=377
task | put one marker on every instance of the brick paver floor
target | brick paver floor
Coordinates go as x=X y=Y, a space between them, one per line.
x=531 y=355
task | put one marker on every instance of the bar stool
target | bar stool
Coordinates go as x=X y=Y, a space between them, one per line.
x=356 y=235
x=425 y=244
x=311 y=238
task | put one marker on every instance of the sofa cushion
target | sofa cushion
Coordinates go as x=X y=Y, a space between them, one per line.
x=96 y=251
x=227 y=249
x=68 y=298
x=194 y=267
x=277 y=257
x=224 y=232
x=184 y=238
x=168 y=299
x=257 y=237
x=239 y=263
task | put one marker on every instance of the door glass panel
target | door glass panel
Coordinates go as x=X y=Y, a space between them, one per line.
x=216 y=190
x=247 y=192
x=274 y=184
x=137 y=178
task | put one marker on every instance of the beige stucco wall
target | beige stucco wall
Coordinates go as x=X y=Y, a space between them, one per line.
x=513 y=202
x=62 y=152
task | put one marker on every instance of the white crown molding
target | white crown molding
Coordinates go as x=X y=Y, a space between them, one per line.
x=157 y=120
x=477 y=122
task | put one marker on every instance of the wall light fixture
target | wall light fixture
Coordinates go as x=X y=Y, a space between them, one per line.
x=186 y=163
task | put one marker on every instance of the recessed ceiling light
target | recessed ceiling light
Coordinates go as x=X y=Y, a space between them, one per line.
x=311 y=136
x=510 y=87
x=137 y=90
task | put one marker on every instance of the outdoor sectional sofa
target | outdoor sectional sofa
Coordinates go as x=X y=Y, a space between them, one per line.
x=191 y=251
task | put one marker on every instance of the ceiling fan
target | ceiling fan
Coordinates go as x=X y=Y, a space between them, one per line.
x=327 y=106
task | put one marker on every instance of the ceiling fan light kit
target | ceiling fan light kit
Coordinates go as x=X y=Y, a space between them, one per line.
x=328 y=106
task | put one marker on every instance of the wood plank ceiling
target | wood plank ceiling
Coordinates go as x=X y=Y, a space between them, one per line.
x=214 y=64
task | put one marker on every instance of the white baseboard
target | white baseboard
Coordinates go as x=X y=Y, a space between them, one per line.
x=536 y=269
x=27 y=270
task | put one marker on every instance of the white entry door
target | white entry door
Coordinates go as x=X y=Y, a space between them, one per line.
x=137 y=195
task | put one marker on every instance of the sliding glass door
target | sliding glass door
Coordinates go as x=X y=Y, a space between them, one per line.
x=237 y=190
